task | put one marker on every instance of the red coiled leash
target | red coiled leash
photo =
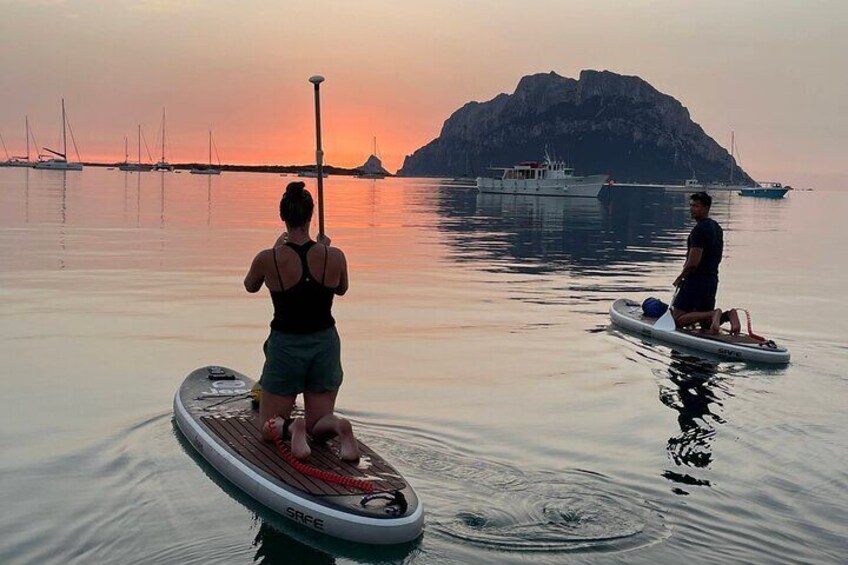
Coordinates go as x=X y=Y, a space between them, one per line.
x=750 y=330
x=301 y=467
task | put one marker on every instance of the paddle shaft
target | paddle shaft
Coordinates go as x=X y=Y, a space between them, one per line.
x=319 y=158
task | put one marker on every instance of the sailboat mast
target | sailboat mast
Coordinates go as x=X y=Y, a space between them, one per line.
x=126 y=150
x=139 y=144
x=64 y=136
x=26 y=119
x=163 y=134
x=210 y=148
x=732 y=152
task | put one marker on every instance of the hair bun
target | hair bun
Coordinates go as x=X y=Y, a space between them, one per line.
x=295 y=188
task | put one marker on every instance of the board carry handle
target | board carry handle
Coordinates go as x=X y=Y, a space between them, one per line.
x=397 y=502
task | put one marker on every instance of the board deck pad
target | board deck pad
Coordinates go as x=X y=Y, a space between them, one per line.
x=241 y=432
x=724 y=335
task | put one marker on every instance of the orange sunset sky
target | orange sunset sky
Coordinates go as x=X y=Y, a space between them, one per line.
x=772 y=70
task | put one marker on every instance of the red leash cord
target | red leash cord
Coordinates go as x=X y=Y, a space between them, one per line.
x=750 y=330
x=301 y=467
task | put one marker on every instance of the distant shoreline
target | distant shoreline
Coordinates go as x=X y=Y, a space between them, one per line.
x=289 y=169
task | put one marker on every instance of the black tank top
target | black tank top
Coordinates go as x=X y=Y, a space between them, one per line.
x=305 y=307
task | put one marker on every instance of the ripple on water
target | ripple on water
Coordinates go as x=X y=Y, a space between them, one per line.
x=555 y=513
x=500 y=507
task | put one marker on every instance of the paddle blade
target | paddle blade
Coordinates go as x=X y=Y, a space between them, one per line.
x=665 y=322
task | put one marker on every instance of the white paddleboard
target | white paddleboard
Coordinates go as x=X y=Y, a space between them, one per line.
x=214 y=412
x=628 y=315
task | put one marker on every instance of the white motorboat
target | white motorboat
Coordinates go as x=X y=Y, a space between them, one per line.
x=60 y=161
x=548 y=178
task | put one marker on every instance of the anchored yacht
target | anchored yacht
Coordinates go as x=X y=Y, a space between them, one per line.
x=548 y=178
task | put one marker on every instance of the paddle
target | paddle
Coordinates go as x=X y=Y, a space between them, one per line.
x=666 y=322
x=319 y=153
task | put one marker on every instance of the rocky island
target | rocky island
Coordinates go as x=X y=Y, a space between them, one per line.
x=601 y=123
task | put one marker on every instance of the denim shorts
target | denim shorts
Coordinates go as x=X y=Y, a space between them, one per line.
x=296 y=363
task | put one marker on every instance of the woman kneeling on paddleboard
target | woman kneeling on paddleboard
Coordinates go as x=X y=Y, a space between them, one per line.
x=303 y=351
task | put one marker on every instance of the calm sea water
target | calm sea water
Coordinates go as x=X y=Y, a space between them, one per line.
x=478 y=358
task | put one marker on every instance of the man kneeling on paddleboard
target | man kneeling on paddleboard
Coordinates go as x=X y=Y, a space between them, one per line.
x=697 y=284
x=303 y=351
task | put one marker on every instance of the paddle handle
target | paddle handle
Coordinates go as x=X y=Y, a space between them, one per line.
x=319 y=152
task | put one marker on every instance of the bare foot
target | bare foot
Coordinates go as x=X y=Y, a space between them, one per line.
x=279 y=424
x=735 y=326
x=348 y=446
x=299 y=443
x=716 y=322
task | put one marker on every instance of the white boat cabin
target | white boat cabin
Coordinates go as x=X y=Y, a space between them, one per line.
x=533 y=170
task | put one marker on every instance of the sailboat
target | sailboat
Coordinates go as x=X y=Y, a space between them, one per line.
x=5 y=151
x=15 y=161
x=735 y=158
x=210 y=170
x=126 y=154
x=163 y=165
x=138 y=166
x=373 y=166
x=60 y=161
x=760 y=189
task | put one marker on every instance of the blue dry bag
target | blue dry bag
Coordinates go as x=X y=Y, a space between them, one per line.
x=654 y=307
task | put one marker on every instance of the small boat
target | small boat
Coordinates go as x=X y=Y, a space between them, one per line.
x=210 y=170
x=548 y=178
x=312 y=174
x=162 y=165
x=766 y=190
x=628 y=315
x=137 y=166
x=369 y=502
x=60 y=161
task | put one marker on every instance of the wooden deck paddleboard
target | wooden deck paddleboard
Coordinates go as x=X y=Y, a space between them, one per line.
x=628 y=314
x=215 y=413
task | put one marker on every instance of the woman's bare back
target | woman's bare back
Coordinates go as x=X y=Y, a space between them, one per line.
x=327 y=266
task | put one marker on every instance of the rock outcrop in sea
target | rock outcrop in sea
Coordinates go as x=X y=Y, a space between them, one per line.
x=602 y=123
x=373 y=166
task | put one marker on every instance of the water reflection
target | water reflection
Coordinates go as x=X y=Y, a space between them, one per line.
x=62 y=228
x=694 y=389
x=162 y=200
x=138 y=200
x=208 y=200
x=273 y=546
x=627 y=229
x=26 y=196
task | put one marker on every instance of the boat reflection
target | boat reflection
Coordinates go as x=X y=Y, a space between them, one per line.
x=551 y=234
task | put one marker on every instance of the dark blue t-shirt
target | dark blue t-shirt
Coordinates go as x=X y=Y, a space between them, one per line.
x=707 y=235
